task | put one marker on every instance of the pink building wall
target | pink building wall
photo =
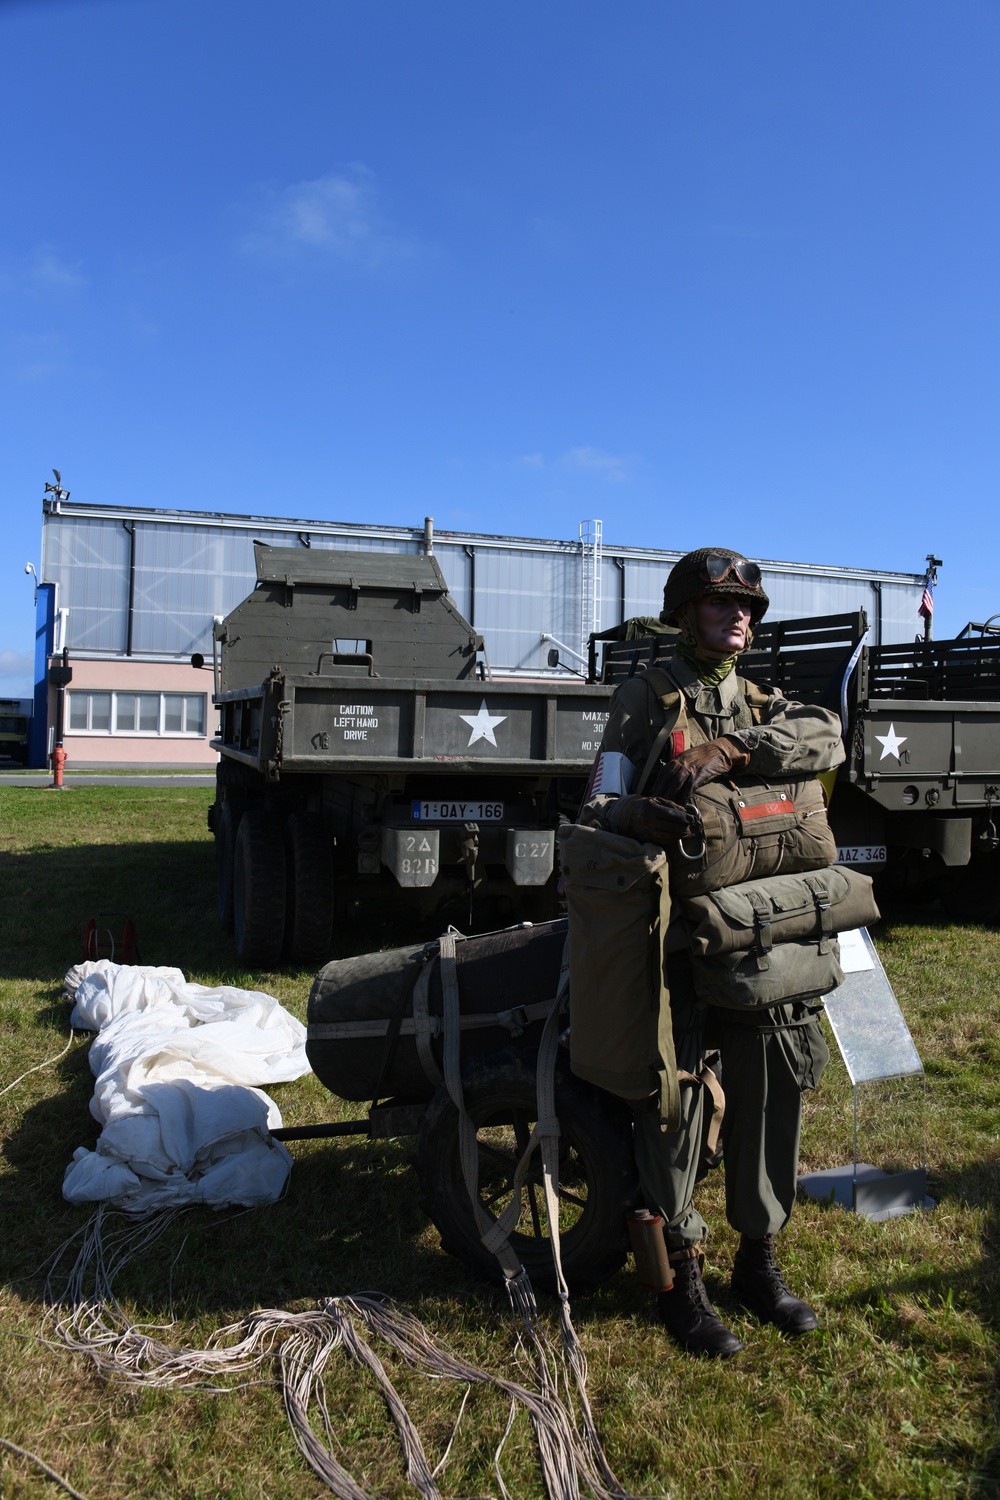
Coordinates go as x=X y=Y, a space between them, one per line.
x=95 y=749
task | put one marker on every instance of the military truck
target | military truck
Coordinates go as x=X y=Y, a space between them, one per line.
x=369 y=758
x=916 y=802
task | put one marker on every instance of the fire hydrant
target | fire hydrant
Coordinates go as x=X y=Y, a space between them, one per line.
x=59 y=759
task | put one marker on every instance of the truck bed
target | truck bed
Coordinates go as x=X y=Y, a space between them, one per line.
x=353 y=723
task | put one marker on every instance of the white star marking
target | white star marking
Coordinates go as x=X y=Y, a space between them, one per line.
x=891 y=742
x=483 y=724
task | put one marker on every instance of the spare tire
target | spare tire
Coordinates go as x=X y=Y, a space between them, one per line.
x=597 y=1175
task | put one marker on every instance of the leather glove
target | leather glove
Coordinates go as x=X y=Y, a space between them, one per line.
x=692 y=768
x=651 y=820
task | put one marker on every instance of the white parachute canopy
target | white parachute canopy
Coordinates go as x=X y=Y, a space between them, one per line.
x=179 y=1069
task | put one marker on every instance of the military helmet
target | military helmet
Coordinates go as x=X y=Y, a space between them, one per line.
x=713 y=570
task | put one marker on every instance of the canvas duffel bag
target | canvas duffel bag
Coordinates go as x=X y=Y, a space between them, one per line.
x=803 y=969
x=619 y=909
x=759 y=913
x=751 y=828
x=376 y=1021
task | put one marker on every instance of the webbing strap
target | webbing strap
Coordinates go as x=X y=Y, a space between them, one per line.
x=712 y=1128
x=762 y=928
x=821 y=897
x=494 y=1234
x=516 y=1020
x=391 y=1037
x=546 y=1086
x=421 y=1024
x=675 y=709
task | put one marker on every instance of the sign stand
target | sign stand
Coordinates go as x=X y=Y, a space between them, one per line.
x=876 y=1045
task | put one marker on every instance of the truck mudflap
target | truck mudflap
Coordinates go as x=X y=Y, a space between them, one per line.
x=413 y=855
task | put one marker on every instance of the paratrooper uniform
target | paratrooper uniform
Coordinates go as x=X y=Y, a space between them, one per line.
x=768 y=1057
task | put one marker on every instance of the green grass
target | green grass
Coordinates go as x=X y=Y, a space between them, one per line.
x=895 y=1397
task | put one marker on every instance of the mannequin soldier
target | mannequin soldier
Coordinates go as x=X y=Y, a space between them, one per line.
x=715 y=597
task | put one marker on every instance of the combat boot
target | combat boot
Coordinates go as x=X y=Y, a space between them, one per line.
x=759 y=1285
x=690 y=1318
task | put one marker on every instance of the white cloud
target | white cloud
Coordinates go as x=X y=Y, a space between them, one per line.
x=49 y=272
x=613 y=468
x=337 y=216
x=32 y=357
x=40 y=274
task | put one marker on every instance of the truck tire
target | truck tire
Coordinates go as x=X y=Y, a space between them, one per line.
x=309 y=872
x=226 y=823
x=259 y=889
x=597 y=1185
x=971 y=893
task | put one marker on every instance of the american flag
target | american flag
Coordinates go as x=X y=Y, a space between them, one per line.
x=926 y=605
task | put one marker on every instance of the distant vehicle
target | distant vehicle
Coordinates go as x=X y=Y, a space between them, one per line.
x=15 y=724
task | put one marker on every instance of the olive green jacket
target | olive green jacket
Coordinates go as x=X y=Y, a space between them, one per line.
x=783 y=737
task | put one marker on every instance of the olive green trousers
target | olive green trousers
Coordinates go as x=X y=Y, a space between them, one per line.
x=769 y=1058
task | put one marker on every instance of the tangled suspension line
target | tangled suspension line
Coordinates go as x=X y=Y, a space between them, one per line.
x=86 y=1318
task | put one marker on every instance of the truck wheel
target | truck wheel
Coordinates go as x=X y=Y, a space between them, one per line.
x=227 y=821
x=309 y=914
x=597 y=1176
x=971 y=893
x=259 y=889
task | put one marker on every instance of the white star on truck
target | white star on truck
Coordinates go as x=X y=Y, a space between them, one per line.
x=483 y=724
x=891 y=742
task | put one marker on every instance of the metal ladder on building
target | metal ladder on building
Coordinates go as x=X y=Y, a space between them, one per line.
x=591 y=549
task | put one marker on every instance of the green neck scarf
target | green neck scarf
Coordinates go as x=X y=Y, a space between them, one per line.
x=710 y=672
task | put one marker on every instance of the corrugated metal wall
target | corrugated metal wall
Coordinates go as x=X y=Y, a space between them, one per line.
x=513 y=593
x=88 y=560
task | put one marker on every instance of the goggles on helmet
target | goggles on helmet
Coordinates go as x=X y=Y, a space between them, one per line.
x=716 y=569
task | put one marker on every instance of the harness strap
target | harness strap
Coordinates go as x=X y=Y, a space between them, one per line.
x=422 y=1024
x=762 y=928
x=391 y=1034
x=516 y=1020
x=673 y=703
x=493 y=1233
x=711 y=1134
x=677 y=725
x=821 y=897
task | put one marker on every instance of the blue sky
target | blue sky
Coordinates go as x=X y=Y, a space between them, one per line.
x=709 y=271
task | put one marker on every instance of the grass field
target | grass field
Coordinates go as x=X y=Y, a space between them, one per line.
x=896 y=1396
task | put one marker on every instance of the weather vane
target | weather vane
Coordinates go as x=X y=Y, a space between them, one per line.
x=56 y=490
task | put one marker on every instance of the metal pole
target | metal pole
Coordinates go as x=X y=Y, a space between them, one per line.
x=930 y=582
x=130 y=528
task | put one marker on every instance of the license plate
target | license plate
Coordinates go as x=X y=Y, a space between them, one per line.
x=861 y=854
x=457 y=812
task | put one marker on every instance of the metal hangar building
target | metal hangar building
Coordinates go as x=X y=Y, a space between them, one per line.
x=130 y=594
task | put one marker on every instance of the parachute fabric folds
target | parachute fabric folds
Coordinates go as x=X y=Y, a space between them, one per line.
x=178 y=1070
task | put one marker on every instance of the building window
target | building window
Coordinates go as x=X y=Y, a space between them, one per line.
x=137 y=713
